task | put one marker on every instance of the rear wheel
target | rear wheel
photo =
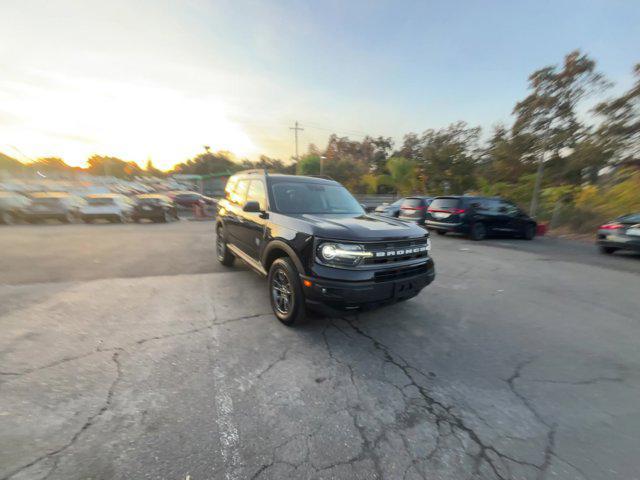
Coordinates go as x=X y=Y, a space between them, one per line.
x=167 y=217
x=478 y=231
x=607 y=250
x=69 y=218
x=225 y=257
x=529 y=232
x=285 y=292
x=441 y=232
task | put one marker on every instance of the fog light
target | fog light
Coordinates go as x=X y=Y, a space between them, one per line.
x=306 y=283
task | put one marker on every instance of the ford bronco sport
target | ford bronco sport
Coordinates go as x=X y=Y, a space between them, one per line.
x=316 y=245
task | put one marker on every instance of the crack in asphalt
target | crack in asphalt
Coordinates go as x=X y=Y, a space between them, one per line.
x=88 y=423
x=98 y=349
x=109 y=399
x=444 y=414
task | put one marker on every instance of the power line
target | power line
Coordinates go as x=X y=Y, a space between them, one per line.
x=296 y=129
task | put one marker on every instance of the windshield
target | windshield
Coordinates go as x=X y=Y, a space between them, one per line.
x=302 y=197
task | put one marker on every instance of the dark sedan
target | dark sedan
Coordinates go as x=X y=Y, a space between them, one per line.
x=155 y=207
x=623 y=233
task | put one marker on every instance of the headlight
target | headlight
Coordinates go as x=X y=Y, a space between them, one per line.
x=341 y=254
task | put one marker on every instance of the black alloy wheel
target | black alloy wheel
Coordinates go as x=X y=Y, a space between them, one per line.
x=285 y=292
x=225 y=257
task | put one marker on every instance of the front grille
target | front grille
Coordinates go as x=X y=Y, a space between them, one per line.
x=385 y=253
x=396 y=274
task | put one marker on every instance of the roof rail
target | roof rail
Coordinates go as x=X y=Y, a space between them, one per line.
x=326 y=177
x=254 y=171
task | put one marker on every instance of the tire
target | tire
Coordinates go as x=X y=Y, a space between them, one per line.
x=224 y=256
x=607 y=250
x=441 y=232
x=529 y=232
x=7 y=218
x=69 y=218
x=478 y=232
x=166 y=218
x=285 y=292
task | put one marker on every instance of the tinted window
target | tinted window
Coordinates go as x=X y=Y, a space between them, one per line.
x=413 y=203
x=508 y=208
x=488 y=206
x=445 y=203
x=256 y=193
x=314 y=198
x=631 y=218
x=397 y=203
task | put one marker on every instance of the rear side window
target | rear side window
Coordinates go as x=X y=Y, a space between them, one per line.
x=445 y=204
x=413 y=203
x=256 y=193
x=240 y=192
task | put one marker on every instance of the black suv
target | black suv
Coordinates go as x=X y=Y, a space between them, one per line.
x=479 y=217
x=317 y=246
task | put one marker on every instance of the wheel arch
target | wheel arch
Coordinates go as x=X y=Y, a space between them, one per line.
x=277 y=249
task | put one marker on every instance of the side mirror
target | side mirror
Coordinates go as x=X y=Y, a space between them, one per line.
x=251 y=207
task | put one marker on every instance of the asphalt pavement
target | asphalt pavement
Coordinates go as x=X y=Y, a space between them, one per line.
x=127 y=352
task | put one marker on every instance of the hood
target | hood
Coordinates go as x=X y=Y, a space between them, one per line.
x=361 y=227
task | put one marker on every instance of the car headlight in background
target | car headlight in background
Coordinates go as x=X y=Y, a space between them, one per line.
x=341 y=254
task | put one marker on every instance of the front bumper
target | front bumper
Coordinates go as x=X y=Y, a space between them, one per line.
x=331 y=296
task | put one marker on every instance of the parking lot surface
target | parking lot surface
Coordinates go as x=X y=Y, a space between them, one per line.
x=127 y=352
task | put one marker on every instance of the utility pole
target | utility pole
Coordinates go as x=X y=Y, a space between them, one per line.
x=296 y=129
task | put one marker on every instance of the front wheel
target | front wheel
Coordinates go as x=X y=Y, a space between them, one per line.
x=441 y=232
x=478 y=231
x=285 y=292
x=225 y=257
x=607 y=250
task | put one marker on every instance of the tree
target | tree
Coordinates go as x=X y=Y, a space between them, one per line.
x=548 y=113
x=112 y=166
x=308 y=165
x=402 y=175
x=448 y=159
x=620 y=132
x=208 y=162
x=150 y=169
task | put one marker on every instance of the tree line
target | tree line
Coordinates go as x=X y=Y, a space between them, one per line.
x=567 y=119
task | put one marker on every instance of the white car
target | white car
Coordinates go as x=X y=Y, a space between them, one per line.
x=113 y=207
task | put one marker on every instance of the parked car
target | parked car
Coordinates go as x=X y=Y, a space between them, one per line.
x=389 y=209
x=59 y=206
x=623 y=233
x=317 y=247
x=188 y=199
x=113 y=207
x=12 y=207
x=155 y=207
x=479 y=217
x=414 y=209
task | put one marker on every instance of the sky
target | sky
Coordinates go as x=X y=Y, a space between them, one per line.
x=159 y=79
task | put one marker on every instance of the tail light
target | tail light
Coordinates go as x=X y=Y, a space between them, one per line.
x=458 y=210
x=611 y=226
